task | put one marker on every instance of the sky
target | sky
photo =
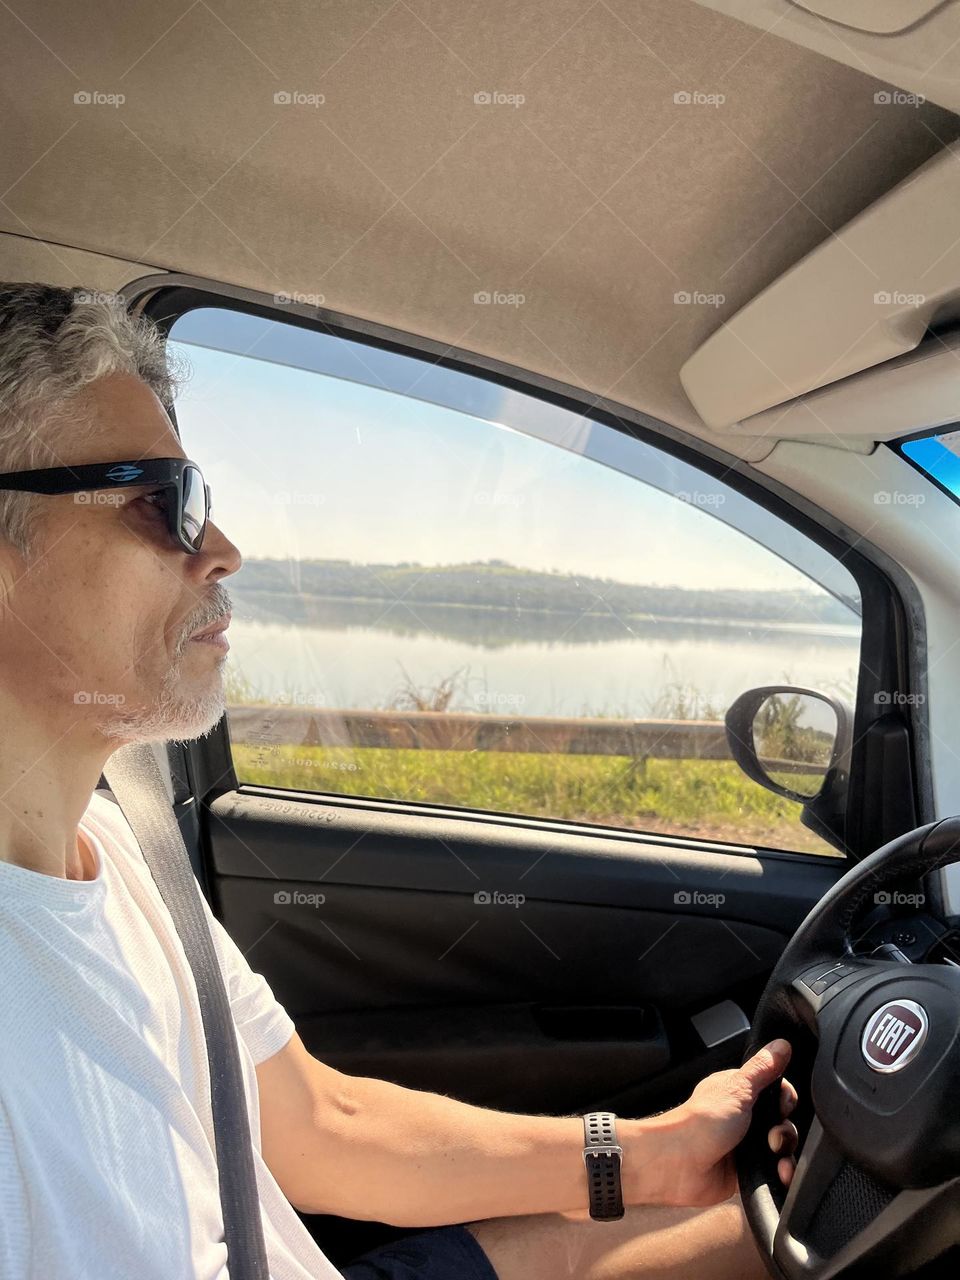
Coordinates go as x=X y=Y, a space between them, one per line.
x=305 y=465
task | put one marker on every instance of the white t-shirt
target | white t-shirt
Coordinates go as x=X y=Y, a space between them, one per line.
x=107 y=1165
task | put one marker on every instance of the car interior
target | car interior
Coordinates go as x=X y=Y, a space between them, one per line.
x=580 y=383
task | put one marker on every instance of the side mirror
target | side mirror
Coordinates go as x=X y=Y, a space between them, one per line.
x=796 y=742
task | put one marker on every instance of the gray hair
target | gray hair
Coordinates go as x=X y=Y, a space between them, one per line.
x=53 y=343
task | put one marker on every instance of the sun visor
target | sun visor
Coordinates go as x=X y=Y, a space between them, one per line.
x=911 y=393
x=863 y=296
x=883 y=17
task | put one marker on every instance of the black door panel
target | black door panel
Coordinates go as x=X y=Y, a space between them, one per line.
x=369 y=843
x=400 y=973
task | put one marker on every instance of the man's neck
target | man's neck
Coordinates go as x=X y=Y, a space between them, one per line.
x=46 y=780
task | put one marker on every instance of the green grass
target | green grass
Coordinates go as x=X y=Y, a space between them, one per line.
x=712 y=800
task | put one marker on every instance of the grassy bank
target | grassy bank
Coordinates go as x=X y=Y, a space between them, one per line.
x=704 y=798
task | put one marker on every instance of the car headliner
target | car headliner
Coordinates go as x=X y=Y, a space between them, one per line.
x=597 y=199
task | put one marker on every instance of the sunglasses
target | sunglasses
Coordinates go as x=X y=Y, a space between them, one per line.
x=188 y=497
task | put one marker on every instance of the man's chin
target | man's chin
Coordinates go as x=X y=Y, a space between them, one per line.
x=173 y=717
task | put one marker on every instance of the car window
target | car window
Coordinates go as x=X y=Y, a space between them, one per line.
x=935 y=454
x=460 y=594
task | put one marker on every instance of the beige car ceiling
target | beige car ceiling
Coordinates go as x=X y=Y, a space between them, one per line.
x=616 y=178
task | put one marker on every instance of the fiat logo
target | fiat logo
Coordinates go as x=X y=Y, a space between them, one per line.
x=893 y=1035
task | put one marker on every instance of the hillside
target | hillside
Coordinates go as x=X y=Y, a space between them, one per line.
x=496 y=585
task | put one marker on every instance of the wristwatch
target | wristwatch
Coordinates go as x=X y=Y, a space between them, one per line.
x=601 y=1157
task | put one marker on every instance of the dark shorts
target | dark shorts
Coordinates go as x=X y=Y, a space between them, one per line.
x=442 y=1253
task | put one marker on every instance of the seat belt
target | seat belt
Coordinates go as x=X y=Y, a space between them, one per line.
x=133 y=775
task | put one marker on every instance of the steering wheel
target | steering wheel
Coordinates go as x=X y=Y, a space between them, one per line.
x=876 y=1190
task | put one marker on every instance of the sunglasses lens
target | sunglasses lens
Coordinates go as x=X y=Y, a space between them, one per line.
x=193 y=519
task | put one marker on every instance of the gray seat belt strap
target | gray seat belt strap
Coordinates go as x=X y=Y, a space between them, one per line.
x=134 y=777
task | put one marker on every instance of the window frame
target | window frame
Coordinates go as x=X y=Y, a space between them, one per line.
x=893 y=635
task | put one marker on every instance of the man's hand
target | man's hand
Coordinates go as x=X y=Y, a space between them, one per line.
x=696 y=1140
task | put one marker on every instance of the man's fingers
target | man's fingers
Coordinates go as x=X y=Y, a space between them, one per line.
x=782 y=1138
x=785 y=1170
x=766 y=1065
x=788 y=1098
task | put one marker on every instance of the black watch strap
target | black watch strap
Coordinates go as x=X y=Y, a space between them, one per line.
x=601 y=1156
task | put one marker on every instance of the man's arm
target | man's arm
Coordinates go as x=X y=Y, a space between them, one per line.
x=365 y=1149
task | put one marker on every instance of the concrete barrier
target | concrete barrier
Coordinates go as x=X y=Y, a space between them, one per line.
x=464 y=731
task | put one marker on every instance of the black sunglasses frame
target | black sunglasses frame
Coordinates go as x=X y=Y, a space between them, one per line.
x=157 y=473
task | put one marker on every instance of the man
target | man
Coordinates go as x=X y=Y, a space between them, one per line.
x=106 y=1149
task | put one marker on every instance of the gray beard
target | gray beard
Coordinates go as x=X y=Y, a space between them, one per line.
x=171 y=717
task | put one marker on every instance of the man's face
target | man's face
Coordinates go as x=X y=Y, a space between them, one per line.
x=94 y=631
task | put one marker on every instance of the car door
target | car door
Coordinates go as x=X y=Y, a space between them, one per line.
x=471 y=809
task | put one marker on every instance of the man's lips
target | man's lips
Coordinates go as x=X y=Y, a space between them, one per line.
x=213 y=632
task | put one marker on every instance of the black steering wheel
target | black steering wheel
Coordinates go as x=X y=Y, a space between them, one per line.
x=876 y=1190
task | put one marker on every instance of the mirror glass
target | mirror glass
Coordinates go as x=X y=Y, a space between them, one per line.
x=794 y=736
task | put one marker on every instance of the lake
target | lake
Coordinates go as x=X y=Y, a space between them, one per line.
x=545 y=665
